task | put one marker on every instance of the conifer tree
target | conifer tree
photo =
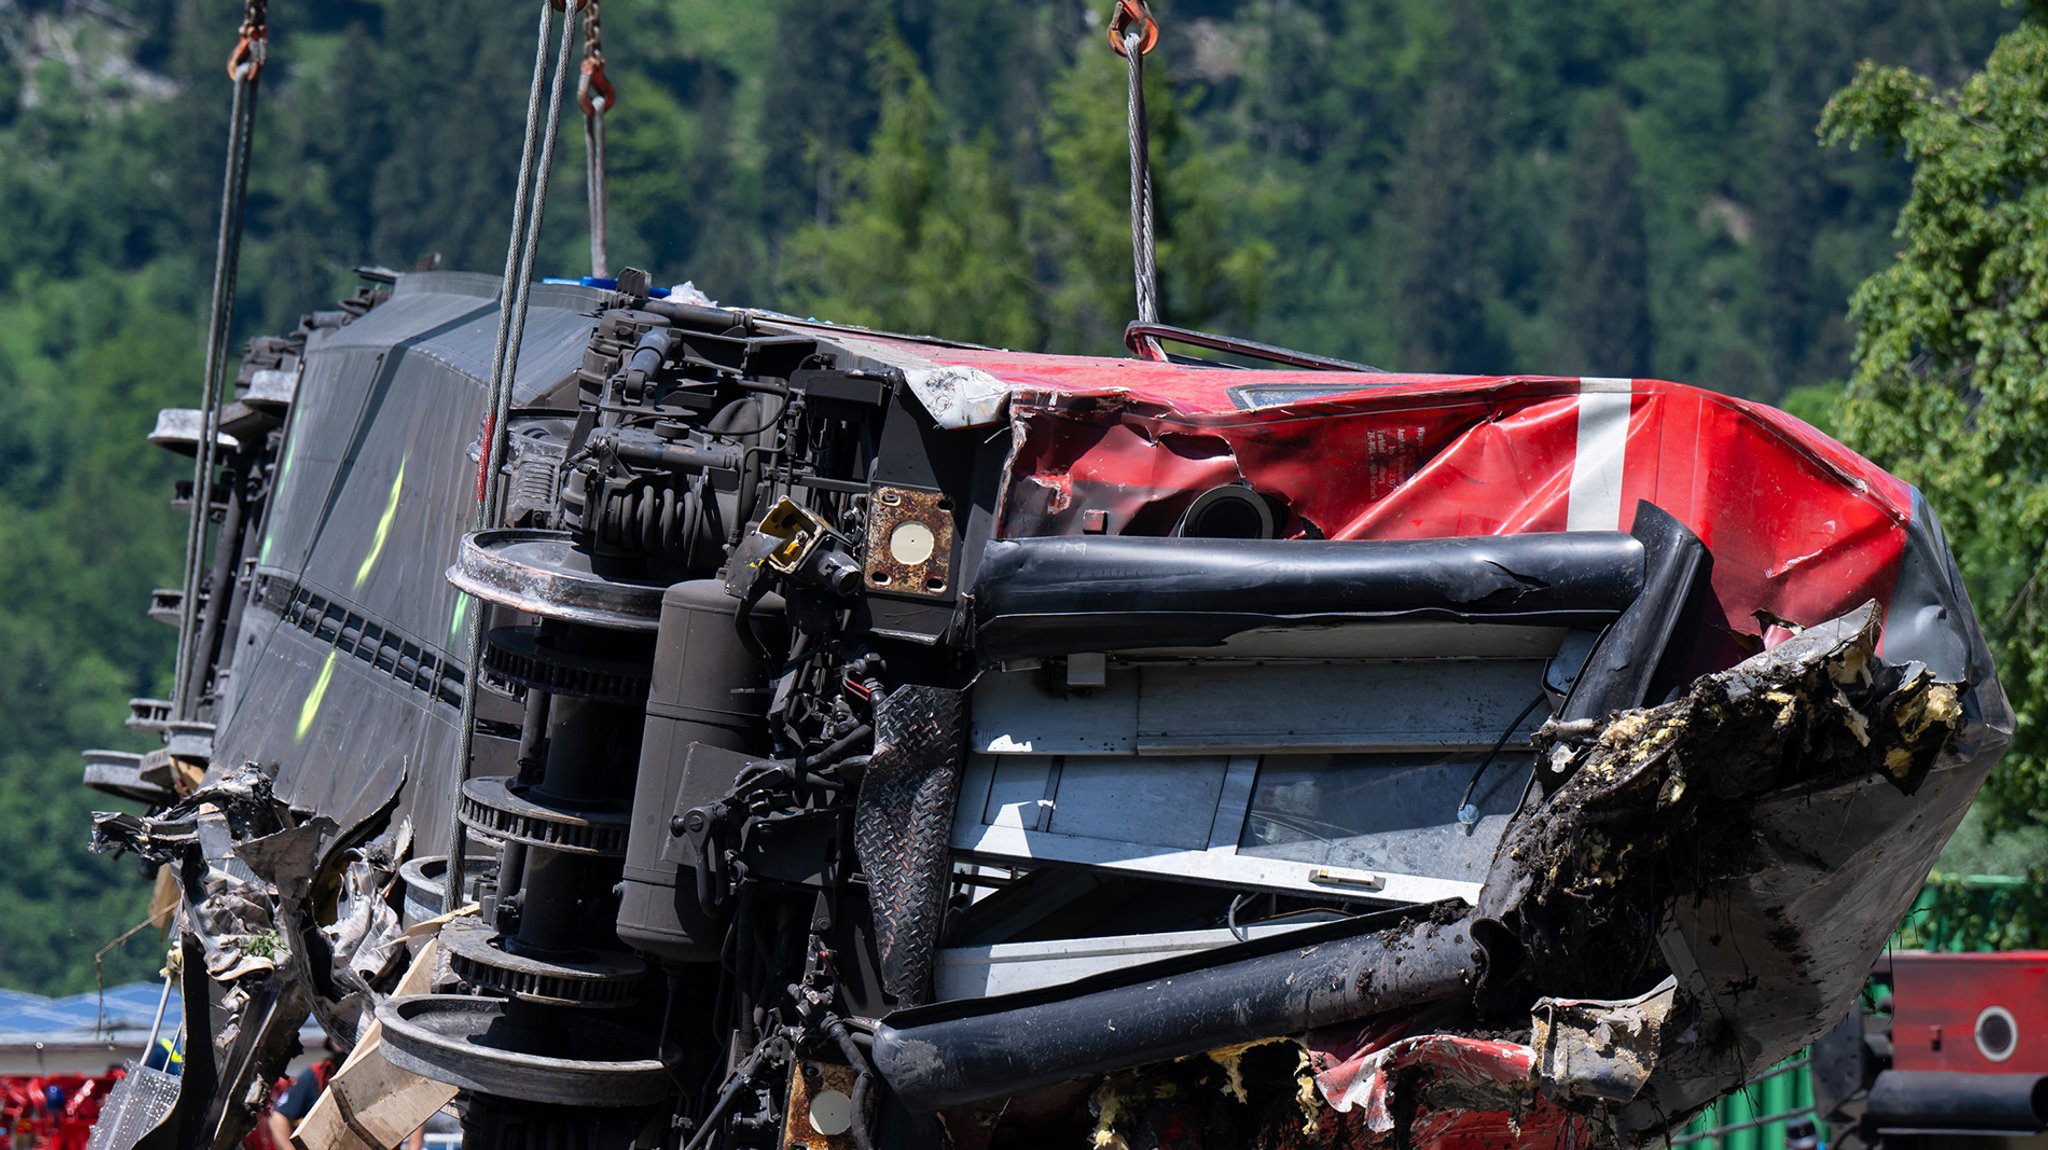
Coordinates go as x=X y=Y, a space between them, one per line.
x=1807 y=51
x=1604 y=323
x=455 y=106
x=1434 y=230
x=819 y=107
x=926 y=239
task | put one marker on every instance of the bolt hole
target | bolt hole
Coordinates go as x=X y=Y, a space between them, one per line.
x=879 y=576
x=935 y=584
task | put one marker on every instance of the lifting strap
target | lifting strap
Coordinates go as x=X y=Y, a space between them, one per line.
x=529 y=203
x=245 y=68
x=595 y=94
x=1133 y=33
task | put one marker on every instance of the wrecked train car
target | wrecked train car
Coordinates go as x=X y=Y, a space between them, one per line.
x=888 y=742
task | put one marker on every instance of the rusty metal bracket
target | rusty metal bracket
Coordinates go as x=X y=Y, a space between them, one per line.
x=910 y=542
x=820 y=1110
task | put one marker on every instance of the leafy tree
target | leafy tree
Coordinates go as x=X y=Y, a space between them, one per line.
x=1952 y=350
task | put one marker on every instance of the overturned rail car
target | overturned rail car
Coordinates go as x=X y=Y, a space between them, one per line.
x=883 y=741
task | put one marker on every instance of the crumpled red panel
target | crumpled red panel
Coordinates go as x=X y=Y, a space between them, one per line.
x=1365 y=1072
x=1800 y=527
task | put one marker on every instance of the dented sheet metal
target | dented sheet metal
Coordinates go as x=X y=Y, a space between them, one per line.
x=958 y=397
x=1767 y=706
x=1662 y=845
x=232 y=912
x=1601 y=1049
x=1800 y=527
x=1579 y=1049
x=1646 y=939
x=1366 y=1079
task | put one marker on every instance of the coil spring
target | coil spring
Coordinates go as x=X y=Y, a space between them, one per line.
x=536 y=484
x=648 y=519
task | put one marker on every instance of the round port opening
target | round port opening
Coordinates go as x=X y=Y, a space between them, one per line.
x=1997 y=1034
x=1232 y=512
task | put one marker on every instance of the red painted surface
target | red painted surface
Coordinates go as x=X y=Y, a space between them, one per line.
x=1938 y=998
x=1799 y=526
x=1362 y=1072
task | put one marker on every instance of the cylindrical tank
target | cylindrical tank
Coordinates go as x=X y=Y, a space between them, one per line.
x=704 y=717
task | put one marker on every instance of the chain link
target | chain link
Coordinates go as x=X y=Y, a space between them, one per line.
x=594 y=89
x=253 y=45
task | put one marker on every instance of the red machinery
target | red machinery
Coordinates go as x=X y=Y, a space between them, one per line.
x=1946 y=1045
x=51 y=1112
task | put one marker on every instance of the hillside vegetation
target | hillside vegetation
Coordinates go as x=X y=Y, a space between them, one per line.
x=1600 y=187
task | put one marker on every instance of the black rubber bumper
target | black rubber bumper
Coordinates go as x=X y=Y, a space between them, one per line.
x=1931 y=1101
x=1066 y=594
x=976 y=1049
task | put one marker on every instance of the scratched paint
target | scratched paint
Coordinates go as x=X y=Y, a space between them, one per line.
x=383 y=527
x=311 y=707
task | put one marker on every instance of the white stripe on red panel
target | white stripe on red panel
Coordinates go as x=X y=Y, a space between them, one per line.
x=1595 y=500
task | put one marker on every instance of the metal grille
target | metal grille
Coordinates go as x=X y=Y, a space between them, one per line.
x=134 y=1107
x=352 y=633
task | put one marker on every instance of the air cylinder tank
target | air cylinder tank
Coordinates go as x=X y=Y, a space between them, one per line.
x=705 y=716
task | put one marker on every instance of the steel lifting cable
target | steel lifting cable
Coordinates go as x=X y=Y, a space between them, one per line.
x=245 y=68
x=1133 y=33
x=536 y=160
x=595 y=94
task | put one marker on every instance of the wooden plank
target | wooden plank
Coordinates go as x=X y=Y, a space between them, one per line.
x=370 y=1104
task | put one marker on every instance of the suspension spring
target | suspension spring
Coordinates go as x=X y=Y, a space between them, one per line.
x=649 y=519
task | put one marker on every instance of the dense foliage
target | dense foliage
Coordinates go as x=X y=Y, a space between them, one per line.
x=1951 y=371
x=1600 y=186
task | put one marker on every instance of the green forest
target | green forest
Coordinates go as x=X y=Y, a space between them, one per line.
x=1840 y=206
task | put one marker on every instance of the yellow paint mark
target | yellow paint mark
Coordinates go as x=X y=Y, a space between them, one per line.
x=291 y=450
x=383 y=527
x=319 y=692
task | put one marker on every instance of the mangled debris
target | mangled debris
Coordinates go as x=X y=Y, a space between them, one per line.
x=258 y=915
x=1566 y=1010
x=879 y=741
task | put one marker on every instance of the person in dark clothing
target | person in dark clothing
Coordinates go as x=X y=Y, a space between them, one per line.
x=298 y=1100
